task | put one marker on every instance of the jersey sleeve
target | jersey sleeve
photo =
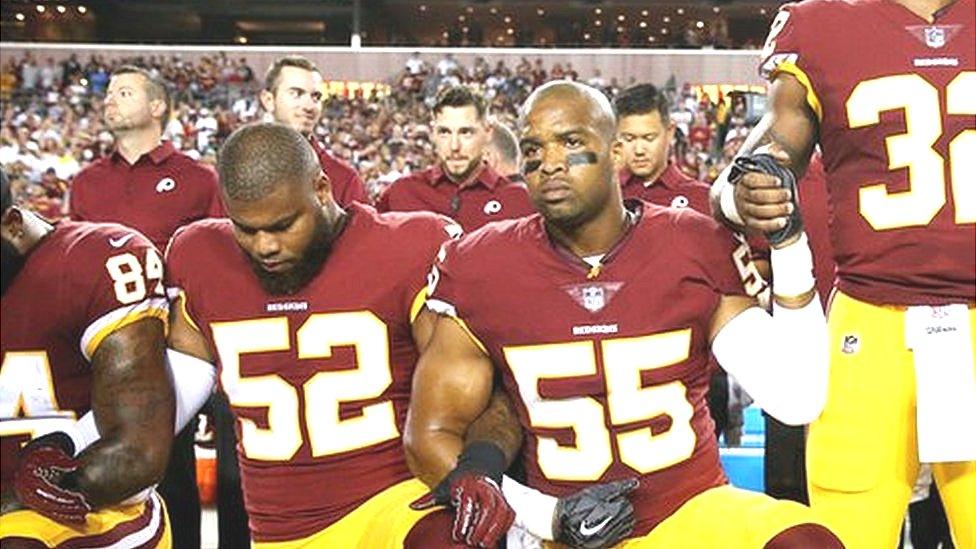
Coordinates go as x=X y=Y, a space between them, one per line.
x=119 y=274
x=785 y=51
x=178 y=267
x=441 y=231
x=722 y=258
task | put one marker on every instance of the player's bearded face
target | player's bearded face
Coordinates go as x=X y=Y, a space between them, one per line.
x=644 y=141
x=12 y=262
x=285 y=236
x=459 y=140
x=304 y=269
x=566 y=164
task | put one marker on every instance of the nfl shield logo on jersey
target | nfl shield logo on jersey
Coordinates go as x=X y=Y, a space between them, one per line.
x=593 y=297
x=935 y=37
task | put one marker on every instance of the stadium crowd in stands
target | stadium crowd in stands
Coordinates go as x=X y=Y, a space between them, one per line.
x=52 y=122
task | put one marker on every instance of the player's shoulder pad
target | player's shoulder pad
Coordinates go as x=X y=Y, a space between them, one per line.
x=102 y=239
x=496 y=236
x=197 y=236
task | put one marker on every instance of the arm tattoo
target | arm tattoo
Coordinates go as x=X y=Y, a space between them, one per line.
x=132 y=397
x=497 y=424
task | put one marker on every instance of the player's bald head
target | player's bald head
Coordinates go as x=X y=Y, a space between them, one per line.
x=258 y=158
x=568 y=95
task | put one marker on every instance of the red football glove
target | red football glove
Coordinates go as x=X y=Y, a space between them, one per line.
x=481 y=514
x=38 y=480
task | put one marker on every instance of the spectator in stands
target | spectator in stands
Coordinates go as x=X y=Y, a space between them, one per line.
x=293 y=95
x=461 y=185
x=148 y=185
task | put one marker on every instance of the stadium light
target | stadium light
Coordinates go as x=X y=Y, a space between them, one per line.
x=644 y=13
x=469 y=9
x=509 y=31
x=620 y=30
x=461 y=18
x=61 y=9
x=422 y=7
x=19 y=16
x=667 y=19
x=508 y=18
x=643 y=24
x=493 y=10
x=40 y=8
x=540 y=12
x=598 y=22
x=621 y=17
x=681 y=11
x=664 y=31
x=716 y=9
x=651 y=39
x=82 y=10
x=700 y=24
x=762 y=11
x=598 y=11
x=586 y=36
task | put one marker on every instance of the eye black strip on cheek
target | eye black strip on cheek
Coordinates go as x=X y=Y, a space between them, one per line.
x=581 y=158
x=530 y=166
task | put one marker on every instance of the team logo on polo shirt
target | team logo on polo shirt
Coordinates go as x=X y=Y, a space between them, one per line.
x=492 y=207
x=165 y=185
x=679 y=201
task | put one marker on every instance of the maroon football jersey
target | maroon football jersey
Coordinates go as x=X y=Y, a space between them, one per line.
x=608 y=369
x=895 y=97
x=319 y=380
x=80 y=284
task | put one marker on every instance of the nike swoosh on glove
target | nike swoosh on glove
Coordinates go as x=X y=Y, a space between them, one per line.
x=765 y=163
x=44 y=468
x=596 y=516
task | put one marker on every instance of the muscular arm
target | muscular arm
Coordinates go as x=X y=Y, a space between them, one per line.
x=132 y=399
x=789 y=125
x=452 y=386
x=183 y=337
x=788 y=131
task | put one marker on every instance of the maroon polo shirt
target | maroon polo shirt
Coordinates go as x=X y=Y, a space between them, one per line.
x=484 y=197
x=347 y=186
x=674 y=188
x=163 y=190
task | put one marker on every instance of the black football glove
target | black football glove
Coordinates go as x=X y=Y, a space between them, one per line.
x=765 y=163
x=596 y=516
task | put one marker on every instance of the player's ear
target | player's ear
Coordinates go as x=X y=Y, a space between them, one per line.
x=323 y=188
x=267 y=100
x=617 y=152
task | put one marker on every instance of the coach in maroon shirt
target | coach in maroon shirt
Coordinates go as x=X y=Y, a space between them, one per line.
x=292 y=94
x=150 y=186
x=145 y=183
x=462 y=185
